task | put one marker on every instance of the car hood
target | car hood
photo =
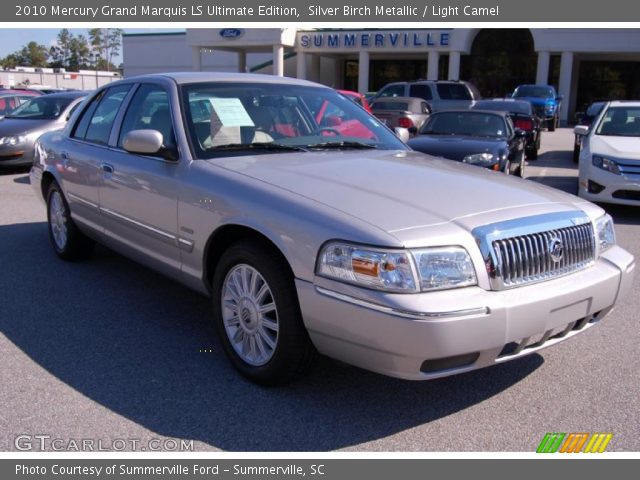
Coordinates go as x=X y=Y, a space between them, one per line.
x=401 y=191
x=455 y=147
x=620 y=147
x=12 y=126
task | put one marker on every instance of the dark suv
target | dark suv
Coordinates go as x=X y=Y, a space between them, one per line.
x=440 y=94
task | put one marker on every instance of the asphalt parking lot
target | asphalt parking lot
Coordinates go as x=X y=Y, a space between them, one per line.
x=108 y=350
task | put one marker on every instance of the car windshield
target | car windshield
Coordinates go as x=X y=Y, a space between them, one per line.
x=249 y=118
x=41 y=108
x=534 y=91
x=475 y=124
x=511 y=107
x=620 y=122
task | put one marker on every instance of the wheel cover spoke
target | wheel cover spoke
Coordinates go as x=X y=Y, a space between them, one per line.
x=58 y=220
x=250 y=315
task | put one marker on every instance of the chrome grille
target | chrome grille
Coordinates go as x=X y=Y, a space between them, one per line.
x=532 y=249
x=530 y=258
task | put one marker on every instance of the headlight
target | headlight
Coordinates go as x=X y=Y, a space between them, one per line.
x=606 y=164
x=605 y=234
x=447 y=267
x=480 y=159
x=12 y=140
x=407 y=271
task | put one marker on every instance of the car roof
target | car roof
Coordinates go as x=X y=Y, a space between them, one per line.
x=72 y=94
x=182 y=78
x=12 y=91
x=398 y=99
x=474 y=111
x=624 y=103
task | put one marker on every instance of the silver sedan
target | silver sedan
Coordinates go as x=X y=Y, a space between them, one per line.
x=314 y=229
x=20 y=128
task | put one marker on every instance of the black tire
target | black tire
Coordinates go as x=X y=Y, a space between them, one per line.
x=77 y=245
x=293 y=353
x=532 y=154
x=551 y=124
x=576 y=152
x=519 y=171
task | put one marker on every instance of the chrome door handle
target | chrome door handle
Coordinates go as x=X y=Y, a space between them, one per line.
x=106 y=167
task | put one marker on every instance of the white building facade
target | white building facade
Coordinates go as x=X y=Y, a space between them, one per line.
x=572 y=59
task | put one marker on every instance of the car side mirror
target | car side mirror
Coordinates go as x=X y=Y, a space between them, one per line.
x=402 y=133
x=519 y=133
x=581 y=130
x=148 y=142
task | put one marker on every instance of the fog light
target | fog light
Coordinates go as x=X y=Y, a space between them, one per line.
x=594 y=187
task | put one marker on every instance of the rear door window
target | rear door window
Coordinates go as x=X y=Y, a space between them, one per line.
x=453 y=91
x=420 y=91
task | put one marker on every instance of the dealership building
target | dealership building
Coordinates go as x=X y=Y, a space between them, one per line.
x=585 y=64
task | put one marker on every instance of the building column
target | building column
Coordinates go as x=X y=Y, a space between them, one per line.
x=432 y=65
x=242 y=61
x=196 y=59
x=454 y=65
x=542 y=74
x=363 y=71
x=301 y=65
x=315 y=68
x=564 y=87
x=278 y=60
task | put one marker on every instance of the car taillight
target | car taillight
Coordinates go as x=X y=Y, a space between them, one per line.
x=405 y=122
x=523 y=124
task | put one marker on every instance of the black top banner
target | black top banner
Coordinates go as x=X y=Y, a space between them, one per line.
x=296 y=11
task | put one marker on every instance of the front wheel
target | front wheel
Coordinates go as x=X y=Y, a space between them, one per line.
x=258 y=317
x=68 y=241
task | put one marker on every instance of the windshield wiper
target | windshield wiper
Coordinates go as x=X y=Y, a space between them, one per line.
x=341 y=144
x=259 y=146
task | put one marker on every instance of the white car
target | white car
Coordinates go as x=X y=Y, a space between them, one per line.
x=610 y=155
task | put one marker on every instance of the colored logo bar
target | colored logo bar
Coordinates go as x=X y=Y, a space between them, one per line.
x=574 y=443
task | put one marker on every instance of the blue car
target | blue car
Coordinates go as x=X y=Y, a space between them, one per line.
x=546 y=102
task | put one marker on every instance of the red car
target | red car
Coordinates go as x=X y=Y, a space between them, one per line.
x=10 y=99
x=358 y=98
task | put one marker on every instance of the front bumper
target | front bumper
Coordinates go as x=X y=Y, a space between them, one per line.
x=14 y=155
x=612 y=183
x=436 y=334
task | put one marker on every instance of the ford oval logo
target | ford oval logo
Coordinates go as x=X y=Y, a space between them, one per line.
x=556 y=249
x=231 y=33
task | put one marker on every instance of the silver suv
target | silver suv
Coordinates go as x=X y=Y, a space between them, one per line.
x=440 y=94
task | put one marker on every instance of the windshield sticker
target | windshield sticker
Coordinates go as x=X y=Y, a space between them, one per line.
x=231 y=112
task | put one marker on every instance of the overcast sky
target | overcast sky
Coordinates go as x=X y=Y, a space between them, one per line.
x=12 y=39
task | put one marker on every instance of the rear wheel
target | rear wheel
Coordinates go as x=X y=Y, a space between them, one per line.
x=68 y=241
x=258 y=317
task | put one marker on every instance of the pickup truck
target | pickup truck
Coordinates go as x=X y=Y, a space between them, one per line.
x=546 y=102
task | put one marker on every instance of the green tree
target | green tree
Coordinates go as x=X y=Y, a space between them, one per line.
x=34 y=55
x=79 y=53
x=106 y=43
x=64 y=44
x=11 y=61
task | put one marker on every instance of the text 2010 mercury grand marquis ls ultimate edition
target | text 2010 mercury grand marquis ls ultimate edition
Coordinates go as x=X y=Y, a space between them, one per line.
x=315 y=229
